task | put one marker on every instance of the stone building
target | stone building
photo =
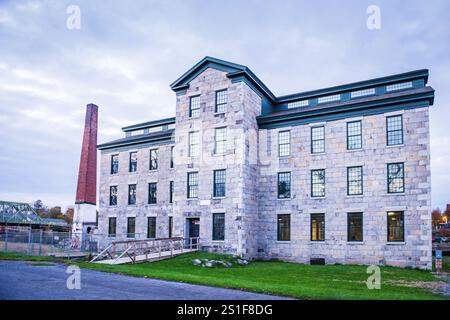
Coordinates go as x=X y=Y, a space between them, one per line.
x=336 y=175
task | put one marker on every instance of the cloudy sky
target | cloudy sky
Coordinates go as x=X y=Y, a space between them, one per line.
x=126 y=54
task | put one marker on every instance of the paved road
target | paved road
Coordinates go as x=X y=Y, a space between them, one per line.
x=22 y=280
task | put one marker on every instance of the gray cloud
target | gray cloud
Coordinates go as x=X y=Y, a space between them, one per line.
x=126 y=55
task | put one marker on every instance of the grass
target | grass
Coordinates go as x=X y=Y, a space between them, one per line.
x=283 y=278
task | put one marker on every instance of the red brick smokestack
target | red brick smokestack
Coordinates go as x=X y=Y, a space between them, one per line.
x=87 y=175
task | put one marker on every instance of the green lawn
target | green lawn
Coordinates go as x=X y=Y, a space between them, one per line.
x=282 y=278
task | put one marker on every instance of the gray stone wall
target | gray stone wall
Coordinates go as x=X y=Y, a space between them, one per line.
x=374 y=203
x=142 y=177
x=243 y=106
x=251 y=162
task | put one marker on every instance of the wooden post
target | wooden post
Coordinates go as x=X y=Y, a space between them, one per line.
x=146 y=250
x=134 y=251
x=159 y=248
x=153 y=246
x=190 y=243
x=171 y=247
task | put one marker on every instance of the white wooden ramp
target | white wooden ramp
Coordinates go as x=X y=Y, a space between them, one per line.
x=135 y=251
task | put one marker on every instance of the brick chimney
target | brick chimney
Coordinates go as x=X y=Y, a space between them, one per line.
x=85 y=201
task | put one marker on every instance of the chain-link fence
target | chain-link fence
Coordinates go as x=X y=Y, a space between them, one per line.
x=48 y=243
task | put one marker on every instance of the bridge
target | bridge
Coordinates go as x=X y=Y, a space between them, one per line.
x=136 y=251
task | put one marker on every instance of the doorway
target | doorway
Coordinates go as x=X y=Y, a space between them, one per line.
x=192 y=229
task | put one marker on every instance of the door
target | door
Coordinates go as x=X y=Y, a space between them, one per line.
x=193 y=229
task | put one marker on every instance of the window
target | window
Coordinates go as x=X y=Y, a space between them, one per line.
x=131 y=194
x=318 y=139
x=354 y=181
x=284 y=143
x=218 y=227
x=113 y=195
x=170 y=227
x=318 y=183
x=296 y=104
x=221 y=100
x=220 y=140
x=193 y=144
x=151 y=227
x=362 y=93
x=152 y=190
x=171 y=157
x=399 y=86
x=355 y=227
x=131 y=227
x=194 y=106
x=219 y=183
x=112 y=227
x=284 y=227
x=153 y=159
x=318 y=227
x=284 y=185
x=335 y=97
x=115 y=164
x=396 y=177
x=192 y=185
x=394 y=130
x=395 y=226
x=133 y=162
x=171 y=192
x=354 y=135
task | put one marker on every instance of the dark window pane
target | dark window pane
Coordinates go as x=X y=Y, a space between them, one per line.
x=218 y=226
x=132 y=194
x=153 y=159
x=284 y=227
x=394 y=129
x=170 y=227
x=112 y=227
x=354 y=135
x=317 y=139
x=171 y=192
x=219 y=183
x=318 y=183
x=171 y=157
x=194 y=106
x=221 y=100
x=395 y=226
x=192 y=187
x=133 y=162
x=284 y=185
x=396 y=177
x=354 y=180
x=113 y=195
x=355 y=226
x=318 y=227
x=152 y=193
x=114 y=164
x=151 y=227
x=131 y=227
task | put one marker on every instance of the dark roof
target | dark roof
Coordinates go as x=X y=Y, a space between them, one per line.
x=149 y=124
x=159 y=136
x=234 y=70
x=400 y=98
